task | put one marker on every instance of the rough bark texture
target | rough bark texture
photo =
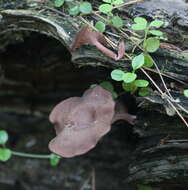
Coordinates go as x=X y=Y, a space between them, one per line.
x=34 y=83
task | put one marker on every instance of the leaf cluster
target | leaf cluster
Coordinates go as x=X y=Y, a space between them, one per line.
x=109 y=18
x=148 y=45
x=75 y=7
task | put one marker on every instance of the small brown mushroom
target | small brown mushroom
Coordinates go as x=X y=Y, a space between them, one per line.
x=88 y=36
x=81 y=121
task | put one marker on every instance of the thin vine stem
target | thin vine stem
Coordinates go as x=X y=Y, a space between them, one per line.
x=40 y=156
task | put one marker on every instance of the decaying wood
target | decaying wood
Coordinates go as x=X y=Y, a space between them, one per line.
x=151 y=164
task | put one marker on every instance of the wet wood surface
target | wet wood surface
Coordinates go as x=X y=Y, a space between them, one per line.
x=38 y=70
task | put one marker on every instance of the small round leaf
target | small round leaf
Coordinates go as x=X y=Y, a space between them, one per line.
x=145 y=91
x=74 y=10
x=3 y=137
x=129 y=77
x=156 y=32
x=100 y=26
x=129 y=87
x=156 y=23
x=117 y=21
x=5 y=154
x=117 y=2
x=117 y=75
x=152 y=44
x=54 y=159
x=59 y=3
x=105 y=8
x=185 y=92
x=141 y=23
x=138 y=61
x=85 y=7
x=141 y=83
x=107 y=85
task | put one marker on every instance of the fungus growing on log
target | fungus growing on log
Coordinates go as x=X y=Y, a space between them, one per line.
x=81 y=121
x=88 y=36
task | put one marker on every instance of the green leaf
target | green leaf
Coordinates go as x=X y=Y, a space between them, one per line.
x=117 y=75
x=145 y=91
x=3 y=137
x=107 y=1
x=69 y=0
x=151 y=44
x=129 y=87
x=156 y=23
x=117 y=21
x=129 y=77
x=85 y=7
x=156 y=32
x=144 y=187
x=185 y=92
x=59 y=3
x=100 y=26
x=105 y=8
x=148 y=61
x=117 y=2
x=141 y=23
x=138 y=61
x=141 y=83
x=5 y=154
x=74 y=10
x=54 y=159
x=107 y=85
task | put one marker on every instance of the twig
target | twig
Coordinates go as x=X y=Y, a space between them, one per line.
x=163 y=74
x=86 y=182
x=180 y=115
x=56 y=11
x=164 y=84
x=162 y=94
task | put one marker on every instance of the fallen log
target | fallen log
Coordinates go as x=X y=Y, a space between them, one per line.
x=25 y=82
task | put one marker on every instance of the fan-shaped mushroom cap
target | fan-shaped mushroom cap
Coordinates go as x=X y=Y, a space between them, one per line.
x=81 y=121
x=88 y=36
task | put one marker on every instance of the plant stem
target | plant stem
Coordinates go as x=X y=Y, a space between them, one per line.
x=21 y=154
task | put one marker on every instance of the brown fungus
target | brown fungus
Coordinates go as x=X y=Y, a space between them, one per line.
x=81 y=121
x=88 y=36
